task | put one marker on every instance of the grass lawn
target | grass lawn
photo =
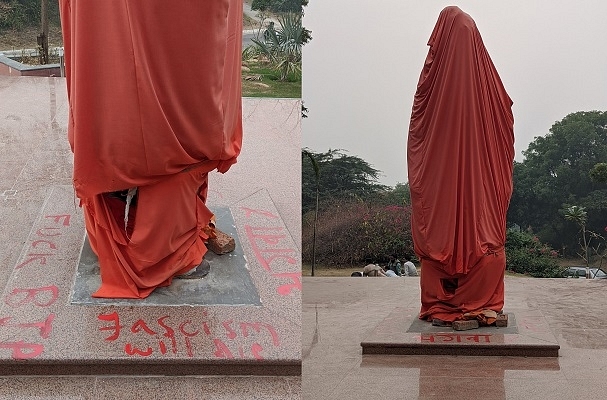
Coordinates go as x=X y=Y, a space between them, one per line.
x=268 y=85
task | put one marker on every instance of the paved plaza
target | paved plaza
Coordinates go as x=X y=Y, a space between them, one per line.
x=341 y=313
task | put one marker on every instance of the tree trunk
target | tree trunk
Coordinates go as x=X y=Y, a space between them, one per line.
x=43 y=38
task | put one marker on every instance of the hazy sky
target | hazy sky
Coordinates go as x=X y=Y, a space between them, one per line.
x=361 y=69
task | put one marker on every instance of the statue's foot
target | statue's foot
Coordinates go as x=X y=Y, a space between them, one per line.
x=440 y=322
x=221 y=243
x=200 y=271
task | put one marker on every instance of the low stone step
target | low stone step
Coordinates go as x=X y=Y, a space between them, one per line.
x=404 y=334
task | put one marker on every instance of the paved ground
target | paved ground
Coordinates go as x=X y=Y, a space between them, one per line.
x=339 y=313
x=42 y=330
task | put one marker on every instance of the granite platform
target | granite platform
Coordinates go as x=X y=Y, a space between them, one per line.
x=403 y=333
x=49 y=325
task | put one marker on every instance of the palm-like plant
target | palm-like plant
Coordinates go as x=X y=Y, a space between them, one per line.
x=579 y=215
x=282 y=46
x=317 y=175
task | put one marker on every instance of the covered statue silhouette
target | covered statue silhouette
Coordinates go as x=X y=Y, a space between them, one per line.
x=155 y=105
x=460 y=157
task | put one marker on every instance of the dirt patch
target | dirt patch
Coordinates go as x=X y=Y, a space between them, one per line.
x=27 y=38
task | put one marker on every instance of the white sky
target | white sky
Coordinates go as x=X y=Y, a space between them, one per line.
x=361 y=69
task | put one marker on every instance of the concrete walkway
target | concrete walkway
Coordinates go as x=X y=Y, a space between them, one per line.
x=340 y=313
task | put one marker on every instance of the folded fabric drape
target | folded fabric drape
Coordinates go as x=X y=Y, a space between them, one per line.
x=460 y=157
x=155 y=104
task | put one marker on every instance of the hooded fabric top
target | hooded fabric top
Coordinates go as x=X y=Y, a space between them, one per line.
x=460 y=149
x=151 y=104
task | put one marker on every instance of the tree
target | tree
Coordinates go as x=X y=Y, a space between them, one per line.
x=351 y=231
x=399 y=195
x=557 y=171
x=590 y=241
x=580 y=216
x=526 y=254
x=317 y=176
x=598 y=173
x=356 y=217
x=19 y=14
x=43 y=37
x=282 y=46
x=279 y=6
x=342 y=176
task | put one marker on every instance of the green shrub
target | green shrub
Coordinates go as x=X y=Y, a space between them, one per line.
x=348 y=233
x=525 y=254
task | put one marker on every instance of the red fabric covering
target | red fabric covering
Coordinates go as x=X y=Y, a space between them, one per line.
x=155 y=103
x=460 y=154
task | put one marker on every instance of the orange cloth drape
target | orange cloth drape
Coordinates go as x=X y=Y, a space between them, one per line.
x=460 y=154
x=155 y=103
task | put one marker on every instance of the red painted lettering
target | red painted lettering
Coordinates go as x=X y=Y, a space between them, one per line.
x=168 y=332
x=50 y=244
x=15 y=298
x=221 y=350
x=44 y=326
x=231 y=333
x=249 y=211
x=286 y=289
x=256 y=326
x=186 y=333
x=33 y=257
x=140 y=325
x=58 y=218
x=131 y=351
x=113 y=317
x=188 y=346
x=40 y=232
x=271 y=237
x=256 y=350
x=205 y=328
x=22 y=350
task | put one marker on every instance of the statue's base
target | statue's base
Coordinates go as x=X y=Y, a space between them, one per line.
x=239 y=320
x=228 y=283
x=403 y=333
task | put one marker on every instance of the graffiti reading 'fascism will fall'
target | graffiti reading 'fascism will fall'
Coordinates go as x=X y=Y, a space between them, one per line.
x=164 y=336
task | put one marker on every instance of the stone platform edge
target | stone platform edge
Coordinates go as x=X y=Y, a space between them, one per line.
x=390 y=337
x=175 y=367
x=460 y=350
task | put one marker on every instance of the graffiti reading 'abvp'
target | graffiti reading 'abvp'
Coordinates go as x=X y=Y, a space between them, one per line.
x=267 y=244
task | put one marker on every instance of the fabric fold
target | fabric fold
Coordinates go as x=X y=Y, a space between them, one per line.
x=155 y=104
x=460 y=152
